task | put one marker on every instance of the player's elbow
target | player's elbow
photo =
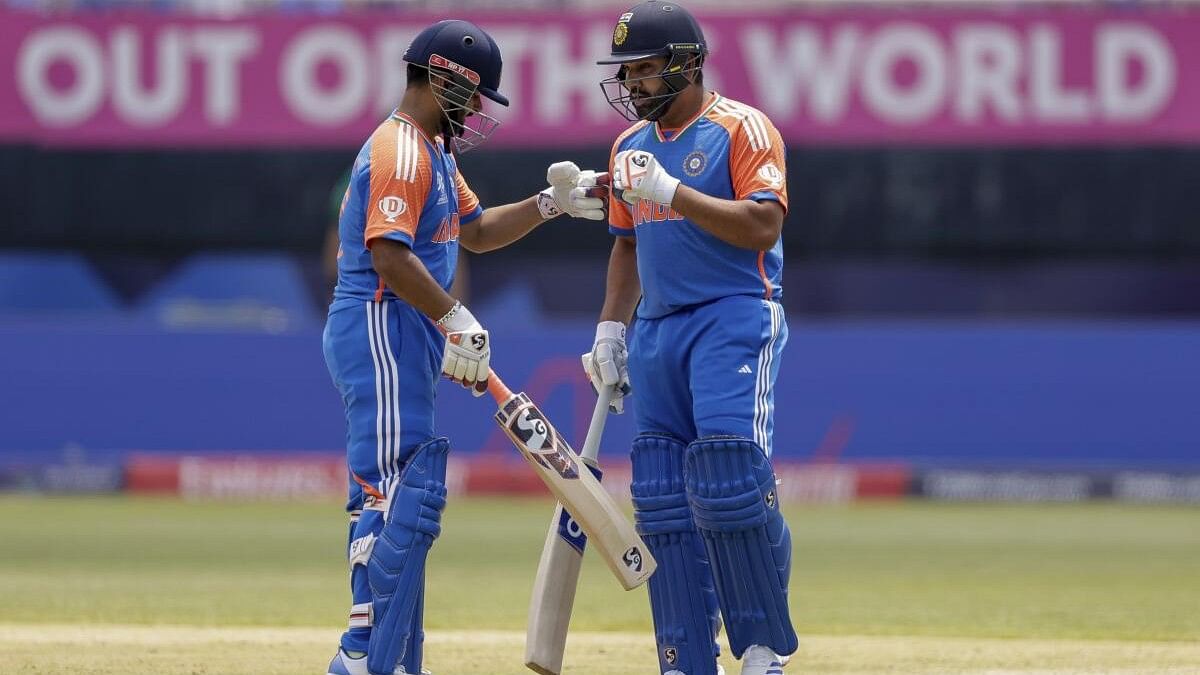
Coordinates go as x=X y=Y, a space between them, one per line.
x=763 y=239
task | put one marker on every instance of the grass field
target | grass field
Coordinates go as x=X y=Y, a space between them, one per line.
x=136 y=586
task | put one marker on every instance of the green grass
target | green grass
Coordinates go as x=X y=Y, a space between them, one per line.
x=1060 y=572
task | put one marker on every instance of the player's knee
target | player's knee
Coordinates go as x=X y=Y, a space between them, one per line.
x=659 y=500
x=730 y=483
x=418 y=497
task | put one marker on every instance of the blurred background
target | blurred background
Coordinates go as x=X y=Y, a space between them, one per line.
x=992 y=277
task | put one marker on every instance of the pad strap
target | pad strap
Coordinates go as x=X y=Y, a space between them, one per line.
x=360 y=615
x=682 y=600
x=731 y=488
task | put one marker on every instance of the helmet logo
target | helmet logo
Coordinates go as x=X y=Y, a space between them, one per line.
x=438 y=61
x=620 y=33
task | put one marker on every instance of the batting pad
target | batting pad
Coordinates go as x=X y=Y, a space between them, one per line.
x=682 y=600
x=396 y=569
x=731 y=488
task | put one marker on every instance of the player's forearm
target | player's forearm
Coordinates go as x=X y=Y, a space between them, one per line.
x=743 y=223
x=624 y=288
x=500 y=226
x=406 y=275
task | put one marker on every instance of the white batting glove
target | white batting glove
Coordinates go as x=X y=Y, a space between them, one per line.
x=468 y=352
x=579 y=194
x=637 y=175
x=607 y=365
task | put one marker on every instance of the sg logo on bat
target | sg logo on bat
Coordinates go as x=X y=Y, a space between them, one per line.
x=633 y=558
x=541 y=442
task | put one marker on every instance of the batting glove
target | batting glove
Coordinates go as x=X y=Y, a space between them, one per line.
x=637 y=175
x=607 y=365
x=579 y=194
x=468 y=352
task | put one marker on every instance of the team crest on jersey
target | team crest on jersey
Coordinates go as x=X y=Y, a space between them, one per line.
x=771 y=173
x=391 y=207
x=695 y=162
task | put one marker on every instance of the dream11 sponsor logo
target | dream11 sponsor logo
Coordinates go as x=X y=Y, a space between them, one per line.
x=908 y=73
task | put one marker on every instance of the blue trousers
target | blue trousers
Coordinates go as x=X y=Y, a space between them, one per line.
x=385 y=359
x=709 y=370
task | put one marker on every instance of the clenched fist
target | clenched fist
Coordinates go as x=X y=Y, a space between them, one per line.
x=637 y=175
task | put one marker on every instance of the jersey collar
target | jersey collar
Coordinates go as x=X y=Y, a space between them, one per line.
x=403 y=117
x=714 y=98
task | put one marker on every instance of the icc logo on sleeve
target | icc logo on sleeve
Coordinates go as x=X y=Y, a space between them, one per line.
x=391 y=207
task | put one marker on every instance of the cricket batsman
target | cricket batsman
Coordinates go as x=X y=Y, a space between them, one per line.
x=699 y=197
x=392 y=326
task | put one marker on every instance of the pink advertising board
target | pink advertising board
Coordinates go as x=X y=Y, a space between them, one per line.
x=1083 y=76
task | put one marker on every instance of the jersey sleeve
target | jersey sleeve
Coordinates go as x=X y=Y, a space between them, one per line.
x=399 y=178
x=620 y=213
x=468 y=204
x=756 y=161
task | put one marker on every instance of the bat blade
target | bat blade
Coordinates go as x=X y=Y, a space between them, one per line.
x=558 y=569
x=553 y=596
x=564 y=473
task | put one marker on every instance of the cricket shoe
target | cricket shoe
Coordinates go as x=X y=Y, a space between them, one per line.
x=760 y=660
x=344 y=664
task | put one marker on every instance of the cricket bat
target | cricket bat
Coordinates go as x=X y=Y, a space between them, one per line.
x=611 y=533
x=558 y=570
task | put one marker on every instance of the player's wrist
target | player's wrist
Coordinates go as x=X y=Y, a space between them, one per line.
x=458 y=319
x=664 y=188
x=610 y=329
x=548 y=205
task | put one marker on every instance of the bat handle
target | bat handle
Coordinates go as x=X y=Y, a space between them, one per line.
x=498 y=389
x=591 y=444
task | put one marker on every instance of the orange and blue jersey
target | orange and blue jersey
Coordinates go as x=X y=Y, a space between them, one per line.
x=385 y=356
x=404 y=186
x=729 y=151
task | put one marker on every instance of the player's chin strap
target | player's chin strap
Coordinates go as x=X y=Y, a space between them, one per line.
x=682 y=600
x=731 y=489
x=396 y=568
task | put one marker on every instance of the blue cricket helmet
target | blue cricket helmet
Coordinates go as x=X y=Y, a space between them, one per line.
x=653 y=29
x=463 y=48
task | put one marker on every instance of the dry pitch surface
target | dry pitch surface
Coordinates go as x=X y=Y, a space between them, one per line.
x=133 y=587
